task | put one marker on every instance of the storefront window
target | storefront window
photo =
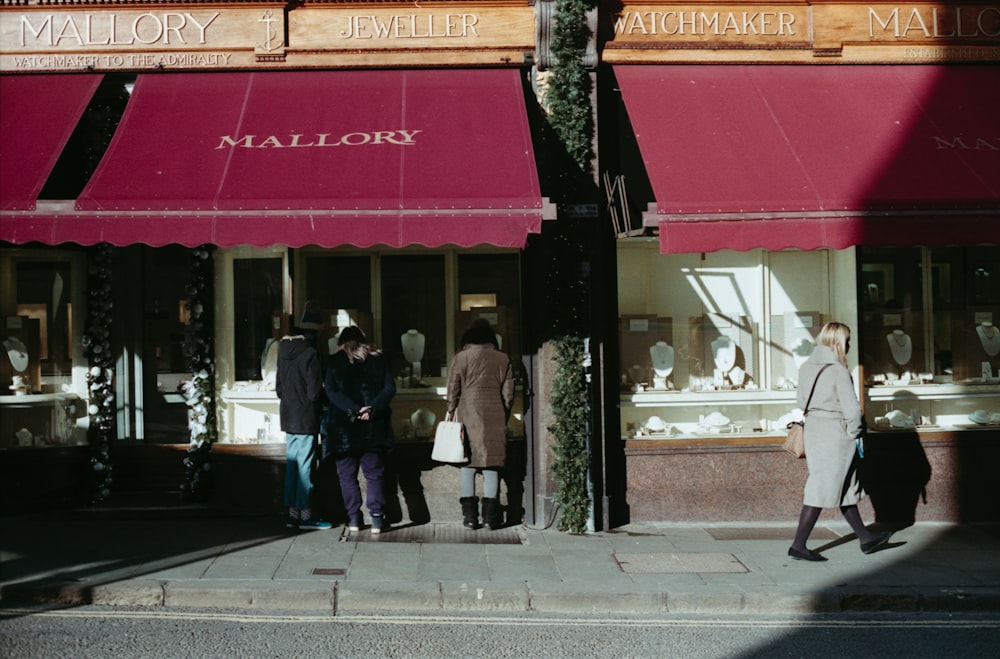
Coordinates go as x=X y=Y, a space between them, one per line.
x=489 y=288
x=41 y=364
x=413 y=304
x=710 y=344
x=931 y=342
x=912 y=336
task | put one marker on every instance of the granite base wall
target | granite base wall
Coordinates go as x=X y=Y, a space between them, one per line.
x=908 y=478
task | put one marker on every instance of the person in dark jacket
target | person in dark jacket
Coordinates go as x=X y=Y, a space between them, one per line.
x=359 y=388
x=299 y=386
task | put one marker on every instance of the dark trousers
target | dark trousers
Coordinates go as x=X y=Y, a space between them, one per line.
x=371 y=465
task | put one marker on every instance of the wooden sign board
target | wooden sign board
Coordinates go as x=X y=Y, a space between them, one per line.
x=185 y=37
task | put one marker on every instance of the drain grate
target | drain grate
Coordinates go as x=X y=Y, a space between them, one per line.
x=442 y=534
x=766 y=533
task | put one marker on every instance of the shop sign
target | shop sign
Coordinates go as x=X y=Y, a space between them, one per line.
x=803 y=32
x=185 y=37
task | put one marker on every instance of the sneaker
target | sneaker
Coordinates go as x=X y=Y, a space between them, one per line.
x=354 y=525
x=292 y=522
x=378 y=524
x=318 y=524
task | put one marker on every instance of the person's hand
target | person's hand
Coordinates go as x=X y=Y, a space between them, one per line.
x=365 y=413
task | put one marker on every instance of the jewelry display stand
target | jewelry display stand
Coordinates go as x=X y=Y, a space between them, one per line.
x=975 y=335
x=637 y=334
x=894 y=346
x=793 y=339
x=721 y=343
x=21 y=342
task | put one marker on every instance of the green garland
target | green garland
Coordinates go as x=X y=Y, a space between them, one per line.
x=100 y=374
x=199 y=391
x=570 y=408
x=568 y=99
x=570 y=114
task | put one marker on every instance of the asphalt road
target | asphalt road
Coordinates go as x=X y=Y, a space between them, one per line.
x=94 y=632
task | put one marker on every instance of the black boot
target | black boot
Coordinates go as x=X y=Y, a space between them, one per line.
x=492 y=513
x=470 y=512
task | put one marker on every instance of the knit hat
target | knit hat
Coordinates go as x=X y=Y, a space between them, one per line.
x=311 y=318
x=352 y=333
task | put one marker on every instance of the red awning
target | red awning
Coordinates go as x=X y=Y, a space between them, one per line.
x=772 y=156
x=317 y=157
x=38 y=115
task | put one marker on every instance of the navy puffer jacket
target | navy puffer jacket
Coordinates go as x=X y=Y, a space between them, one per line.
x=349 y=387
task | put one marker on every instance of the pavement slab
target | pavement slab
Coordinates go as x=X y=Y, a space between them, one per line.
x=208 y=560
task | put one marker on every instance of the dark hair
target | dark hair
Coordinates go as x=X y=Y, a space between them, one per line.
x=479 y=333
x=352 y=333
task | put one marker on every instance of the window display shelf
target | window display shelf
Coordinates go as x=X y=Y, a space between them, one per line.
x=33 y=420
x=933 y=407
x=722 y=414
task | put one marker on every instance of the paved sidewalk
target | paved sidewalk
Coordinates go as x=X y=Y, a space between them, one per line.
x=194 y=558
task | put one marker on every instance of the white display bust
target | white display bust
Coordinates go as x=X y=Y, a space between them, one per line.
x=989 y=338
x=422 y=421
x=900 y=346
x=724 y=353
x=662 y=356
x=413 y=345
x=17 y=353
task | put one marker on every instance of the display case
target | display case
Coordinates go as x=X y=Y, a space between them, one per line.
x=738 y=326
x=691 y=415
x=933 y=406
x=37 y=420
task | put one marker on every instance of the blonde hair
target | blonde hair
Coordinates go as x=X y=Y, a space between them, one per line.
x=835 y=335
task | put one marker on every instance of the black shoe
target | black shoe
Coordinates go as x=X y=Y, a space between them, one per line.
x=876 y=543
x=807 y=555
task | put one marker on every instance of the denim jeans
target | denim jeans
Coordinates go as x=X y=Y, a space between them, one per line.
x=300 y=450
x=370 y=463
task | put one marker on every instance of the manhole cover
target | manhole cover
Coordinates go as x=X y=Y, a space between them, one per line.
x=668 y=563
x=441 y=534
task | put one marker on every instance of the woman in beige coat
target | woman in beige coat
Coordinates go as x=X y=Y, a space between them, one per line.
x=832 y=426
x=480 y=396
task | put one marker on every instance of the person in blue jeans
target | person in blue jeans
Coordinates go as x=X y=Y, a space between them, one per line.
x=299 y=386
x=358 y=430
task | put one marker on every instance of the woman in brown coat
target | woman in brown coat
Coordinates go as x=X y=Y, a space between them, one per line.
x=832 y=426
x=480 y=396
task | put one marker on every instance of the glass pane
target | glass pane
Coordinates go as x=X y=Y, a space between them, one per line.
x=257 y=286
x=891 y=292
x=488 y=287
x=43 y=297
x=166 y=273
x=413 y=298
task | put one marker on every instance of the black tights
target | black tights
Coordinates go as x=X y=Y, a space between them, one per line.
x=810 y=515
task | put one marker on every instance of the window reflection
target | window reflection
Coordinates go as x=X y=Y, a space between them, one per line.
x=257 y=302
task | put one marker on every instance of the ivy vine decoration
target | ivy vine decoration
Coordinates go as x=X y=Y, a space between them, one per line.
x=568 y=98
x=100 y=374
x=570 y=408
x=199 y=391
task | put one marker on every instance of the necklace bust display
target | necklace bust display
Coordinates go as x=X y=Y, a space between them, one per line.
x=724 y=353
x=413 y=345
x=663 y=363
x=989 y=338
x=663 y=358
x=17 y=353
x=900 y=345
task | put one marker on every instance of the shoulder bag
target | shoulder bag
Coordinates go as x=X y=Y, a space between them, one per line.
x=796 y=441
x=449 y=442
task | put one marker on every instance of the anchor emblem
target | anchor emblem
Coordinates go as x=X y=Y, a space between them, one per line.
x=272 y=41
